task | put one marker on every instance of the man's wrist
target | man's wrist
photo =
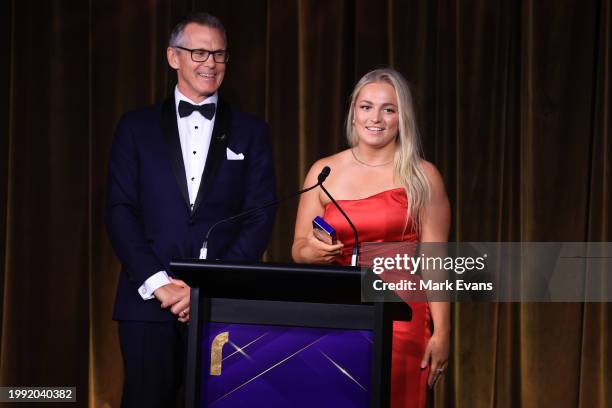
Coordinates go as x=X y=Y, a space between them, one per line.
x=154 y=282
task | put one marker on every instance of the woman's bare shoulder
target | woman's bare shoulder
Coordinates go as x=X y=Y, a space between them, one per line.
x=335 y=161
x=433 y=174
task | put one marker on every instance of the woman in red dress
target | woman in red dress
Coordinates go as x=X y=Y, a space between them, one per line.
x=391 y=194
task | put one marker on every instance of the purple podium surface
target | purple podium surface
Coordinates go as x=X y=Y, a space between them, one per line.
x=281 y=366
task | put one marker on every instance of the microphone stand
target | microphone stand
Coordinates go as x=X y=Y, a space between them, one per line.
x=320 y=178
x=355 y=255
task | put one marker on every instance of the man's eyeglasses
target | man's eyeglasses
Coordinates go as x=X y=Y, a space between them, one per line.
x=201 y=55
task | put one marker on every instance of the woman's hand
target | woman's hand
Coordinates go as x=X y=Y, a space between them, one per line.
x=436 y=356
x=312 y=250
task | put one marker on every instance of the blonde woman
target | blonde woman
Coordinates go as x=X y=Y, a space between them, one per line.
x=391 y=194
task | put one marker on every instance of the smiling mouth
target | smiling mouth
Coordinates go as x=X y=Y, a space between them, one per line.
x=374 y=128
x=206 y=75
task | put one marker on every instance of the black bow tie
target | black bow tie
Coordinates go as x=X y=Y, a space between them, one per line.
x=207 y=110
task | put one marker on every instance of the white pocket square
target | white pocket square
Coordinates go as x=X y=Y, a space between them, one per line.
x=233 y=156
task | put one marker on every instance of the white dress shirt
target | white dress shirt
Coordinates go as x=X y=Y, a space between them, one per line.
x=195 y=133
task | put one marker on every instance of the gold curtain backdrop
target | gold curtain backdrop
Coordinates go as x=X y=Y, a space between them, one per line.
x=513 y=102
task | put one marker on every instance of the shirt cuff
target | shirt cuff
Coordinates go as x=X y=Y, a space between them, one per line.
x=154 y=282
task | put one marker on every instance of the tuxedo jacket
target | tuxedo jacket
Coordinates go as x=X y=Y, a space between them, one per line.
x=148 y=216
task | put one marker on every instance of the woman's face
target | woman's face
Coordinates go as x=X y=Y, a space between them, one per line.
x=376 y=114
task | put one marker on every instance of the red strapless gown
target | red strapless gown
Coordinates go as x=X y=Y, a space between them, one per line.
x=382 y=218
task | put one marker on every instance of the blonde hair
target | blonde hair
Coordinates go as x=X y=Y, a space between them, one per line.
x=408 y=152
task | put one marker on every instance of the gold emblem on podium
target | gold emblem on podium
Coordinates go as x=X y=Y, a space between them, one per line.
x=216 y=352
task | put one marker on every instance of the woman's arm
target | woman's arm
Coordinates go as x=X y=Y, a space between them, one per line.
x=306 y=247
x=435 y=224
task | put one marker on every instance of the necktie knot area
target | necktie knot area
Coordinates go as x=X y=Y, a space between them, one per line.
x=207 y=110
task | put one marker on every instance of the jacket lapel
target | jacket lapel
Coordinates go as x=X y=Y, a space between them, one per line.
x=173 y=142
x=217 y=149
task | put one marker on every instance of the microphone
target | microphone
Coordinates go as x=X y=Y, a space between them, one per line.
x=323 y=175
x=355 y=256
x=320 y=179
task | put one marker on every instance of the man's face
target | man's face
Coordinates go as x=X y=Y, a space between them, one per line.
x=198 y=80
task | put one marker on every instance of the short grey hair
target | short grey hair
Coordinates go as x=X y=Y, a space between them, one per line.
x=201 y=18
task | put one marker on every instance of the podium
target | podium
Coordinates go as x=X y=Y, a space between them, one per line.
x=285 y=335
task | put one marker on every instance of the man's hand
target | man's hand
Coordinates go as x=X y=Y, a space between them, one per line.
x=176 y=296
x=169 y=294
x=181 y=308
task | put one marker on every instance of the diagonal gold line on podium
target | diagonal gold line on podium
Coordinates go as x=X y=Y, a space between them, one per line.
x=343 y=370
x=268 y=369
x=240 y=349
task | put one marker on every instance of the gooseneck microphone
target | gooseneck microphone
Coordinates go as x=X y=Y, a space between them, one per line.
x=355 y=256
x=320 y=179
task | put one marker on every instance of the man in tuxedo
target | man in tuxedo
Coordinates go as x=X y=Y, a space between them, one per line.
x=176 y=168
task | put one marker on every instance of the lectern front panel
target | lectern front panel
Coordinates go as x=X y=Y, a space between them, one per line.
x=259 y=365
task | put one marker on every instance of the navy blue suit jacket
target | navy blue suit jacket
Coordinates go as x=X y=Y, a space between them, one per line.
x=148 y=216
